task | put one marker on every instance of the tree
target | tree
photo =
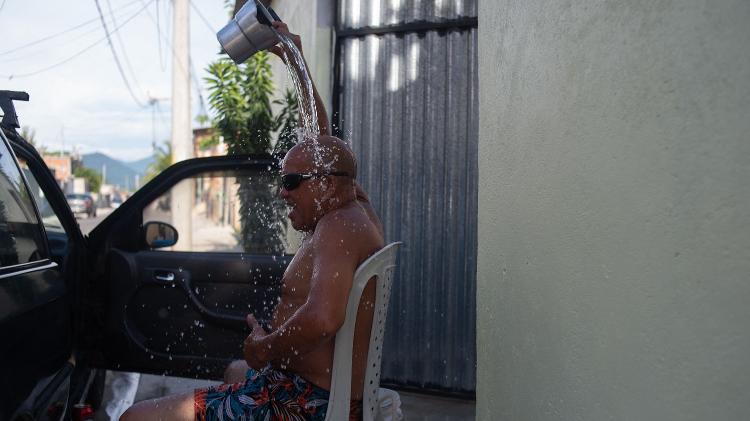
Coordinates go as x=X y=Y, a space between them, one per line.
x=29 y=135
x=93 y=177
x=240 y=97
x=162 y=161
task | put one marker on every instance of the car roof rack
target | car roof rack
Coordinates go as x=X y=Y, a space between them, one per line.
x=10 y=118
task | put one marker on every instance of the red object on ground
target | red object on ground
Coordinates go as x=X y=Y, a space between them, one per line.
x=83 y=412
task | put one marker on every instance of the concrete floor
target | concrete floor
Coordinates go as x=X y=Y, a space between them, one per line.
x=421 y=407
x=415 y=406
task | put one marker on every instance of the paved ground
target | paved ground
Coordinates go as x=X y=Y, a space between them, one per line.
x=88 y=224
x=416 y=407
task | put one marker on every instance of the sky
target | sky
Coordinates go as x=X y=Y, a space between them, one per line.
x=58 y=53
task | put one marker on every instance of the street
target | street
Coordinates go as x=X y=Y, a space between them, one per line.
x=88 y=224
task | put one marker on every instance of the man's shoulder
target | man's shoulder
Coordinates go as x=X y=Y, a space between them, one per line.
x=349 y=224
x=344 y=221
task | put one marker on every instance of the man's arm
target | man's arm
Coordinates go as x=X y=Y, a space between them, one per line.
x=323 y=121
x=334 y=262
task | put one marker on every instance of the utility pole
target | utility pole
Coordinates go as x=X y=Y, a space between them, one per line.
x=182 y=139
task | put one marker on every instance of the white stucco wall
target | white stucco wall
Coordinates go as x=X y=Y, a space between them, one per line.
x=614 y=210
x=313 y=20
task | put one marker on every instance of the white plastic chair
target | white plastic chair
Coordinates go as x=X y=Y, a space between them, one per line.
x=382 y=265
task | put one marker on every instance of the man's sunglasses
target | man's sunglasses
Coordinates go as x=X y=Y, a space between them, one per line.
x=292 y=180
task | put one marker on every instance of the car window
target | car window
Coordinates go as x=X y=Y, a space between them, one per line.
x=227 y=212
x=21 y=238
x=49 y=218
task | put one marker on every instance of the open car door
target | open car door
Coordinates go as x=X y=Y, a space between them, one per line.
x=177 y=267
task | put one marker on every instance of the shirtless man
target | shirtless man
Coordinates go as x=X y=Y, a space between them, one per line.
x=286 y=373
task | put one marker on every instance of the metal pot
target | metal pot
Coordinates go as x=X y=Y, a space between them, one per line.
x=249 y=31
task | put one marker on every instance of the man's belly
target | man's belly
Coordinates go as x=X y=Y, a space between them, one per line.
x=315 y=366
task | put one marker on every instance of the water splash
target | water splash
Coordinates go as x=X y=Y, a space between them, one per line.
x=302 y=82
x=303 y=85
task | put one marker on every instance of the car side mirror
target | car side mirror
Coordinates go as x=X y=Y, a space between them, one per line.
x=160 y=234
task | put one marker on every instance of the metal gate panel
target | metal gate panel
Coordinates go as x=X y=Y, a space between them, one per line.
x=408 y=102
x=364 y=13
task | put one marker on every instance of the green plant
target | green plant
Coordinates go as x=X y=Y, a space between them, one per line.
x=162 y=160
x=93 y=177
x=287 y=123
x=240 y=97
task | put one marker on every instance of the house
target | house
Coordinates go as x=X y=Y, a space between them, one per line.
x=61 y=167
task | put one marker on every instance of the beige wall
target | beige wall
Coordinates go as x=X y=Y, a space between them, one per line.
x=312 y=20
x=614 y=221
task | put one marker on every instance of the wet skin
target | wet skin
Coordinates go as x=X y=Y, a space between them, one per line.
x=342 y=232
x=316 y=364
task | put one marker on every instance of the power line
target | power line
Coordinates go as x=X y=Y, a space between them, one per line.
x=203 y=18
x=192 y=67
x=63 y=32
x=36 y=53
x=40 y=52
x=85 y=49
x=117 y=60
x=162 y=61
x=197 y=88
x=124 y=52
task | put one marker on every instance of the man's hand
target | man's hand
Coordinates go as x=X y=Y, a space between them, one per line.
x=282 y=28
x=255 y=353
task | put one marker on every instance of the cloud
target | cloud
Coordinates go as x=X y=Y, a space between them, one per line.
x=85 y=102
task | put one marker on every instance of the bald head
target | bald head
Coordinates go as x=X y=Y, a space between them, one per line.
x=325 y=154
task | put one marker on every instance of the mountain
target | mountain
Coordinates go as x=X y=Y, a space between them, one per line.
x=140 y=166
x=118 y=173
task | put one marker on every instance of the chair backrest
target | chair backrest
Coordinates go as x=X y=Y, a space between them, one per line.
x=381 y=265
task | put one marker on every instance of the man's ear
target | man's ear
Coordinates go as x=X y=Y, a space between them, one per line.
x=330 y=187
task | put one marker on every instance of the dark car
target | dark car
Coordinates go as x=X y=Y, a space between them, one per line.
x=81 y=203
x=139 y=293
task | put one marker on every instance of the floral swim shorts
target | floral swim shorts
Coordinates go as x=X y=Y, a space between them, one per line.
x=268 y=394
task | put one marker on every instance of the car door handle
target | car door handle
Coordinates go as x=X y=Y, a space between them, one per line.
x=164 y=276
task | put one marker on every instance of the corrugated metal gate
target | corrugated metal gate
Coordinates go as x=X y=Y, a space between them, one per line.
x=406 y=96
